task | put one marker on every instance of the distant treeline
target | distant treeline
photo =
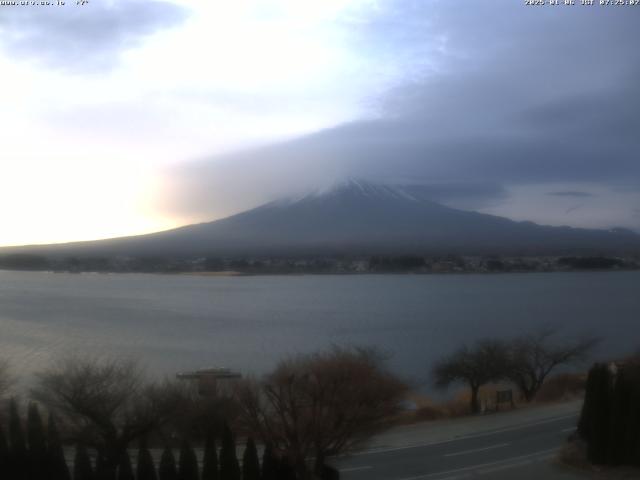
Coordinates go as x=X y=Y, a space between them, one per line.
x=311 y=264
x=591 y=263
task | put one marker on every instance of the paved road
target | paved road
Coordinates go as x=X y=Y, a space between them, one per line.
x=518 y=451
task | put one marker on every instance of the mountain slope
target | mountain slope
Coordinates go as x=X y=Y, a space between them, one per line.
x=357 y=218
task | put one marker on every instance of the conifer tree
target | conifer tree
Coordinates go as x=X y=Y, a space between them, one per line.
x=188 y=465
x=56 y=462
x=37 y=454
x=585 y=423
x=229 y=467
x=210 y=460
x=4 y=455
x=624 y=442
x=250 y=462
x=285 y=470
x=82 y=469
x=615 y=448
x=146 y=469
x=125 y=472
x=269 y=464
x=632 y=437
x=610 y=419
x=101 y=472
x=600 y=415
x=167 y=470
x=18 y=448
x=106 y=469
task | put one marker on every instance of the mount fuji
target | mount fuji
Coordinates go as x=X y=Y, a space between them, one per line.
x=355 y=218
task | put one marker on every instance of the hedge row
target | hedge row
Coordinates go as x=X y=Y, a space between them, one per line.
x=39 y=455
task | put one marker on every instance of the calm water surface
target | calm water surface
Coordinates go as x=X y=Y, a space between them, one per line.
x=177 y=322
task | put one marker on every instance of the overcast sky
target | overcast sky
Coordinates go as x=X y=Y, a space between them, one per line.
x=124 y=117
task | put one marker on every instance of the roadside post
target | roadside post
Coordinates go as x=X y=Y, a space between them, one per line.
x=504 y=396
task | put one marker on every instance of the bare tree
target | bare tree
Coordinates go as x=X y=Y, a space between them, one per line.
x=534 y=356
x=6 y=379
x=483 y=363
x=108 y=403
x=314 y=406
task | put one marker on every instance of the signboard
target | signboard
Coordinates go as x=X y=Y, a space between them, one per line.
x=504 y=396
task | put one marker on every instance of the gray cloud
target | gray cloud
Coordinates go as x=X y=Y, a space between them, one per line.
x=573 y=209
x=516 y=96
x=460 y=195
x=82 y=38
x=576 y=194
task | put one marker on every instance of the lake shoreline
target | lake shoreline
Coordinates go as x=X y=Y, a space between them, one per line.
x=235 y=273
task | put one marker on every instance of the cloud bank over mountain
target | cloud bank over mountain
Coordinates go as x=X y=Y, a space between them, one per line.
x=513 y=104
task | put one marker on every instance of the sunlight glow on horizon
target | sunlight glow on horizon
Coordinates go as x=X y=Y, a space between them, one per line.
x=83 y=208
x=82 y=151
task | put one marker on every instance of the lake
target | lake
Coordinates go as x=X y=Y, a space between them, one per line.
x=179 y=322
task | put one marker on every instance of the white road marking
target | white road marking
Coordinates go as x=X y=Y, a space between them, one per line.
x=499 y=468
x=356 y=469
x=462 y=437
x=456 y=477
x=466 y=452
x=572 y=429
x=513 y=461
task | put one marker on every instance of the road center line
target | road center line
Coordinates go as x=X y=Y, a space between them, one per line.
x=356 y=469
x=465 y=452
